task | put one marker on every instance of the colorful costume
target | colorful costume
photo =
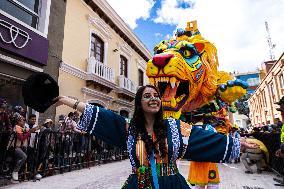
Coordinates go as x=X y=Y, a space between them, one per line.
x=203 y=173
x=185 y=69
x=183 y=141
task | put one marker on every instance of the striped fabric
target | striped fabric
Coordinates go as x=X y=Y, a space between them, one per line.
x=163 y=169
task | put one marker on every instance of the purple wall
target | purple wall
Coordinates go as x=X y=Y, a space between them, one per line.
x=20 y=40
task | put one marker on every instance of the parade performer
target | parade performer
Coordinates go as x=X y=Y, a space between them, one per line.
x=185 y=71
x=154 y=144
x=203 y=173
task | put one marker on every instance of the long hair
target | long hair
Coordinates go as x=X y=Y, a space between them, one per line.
x=137 y=125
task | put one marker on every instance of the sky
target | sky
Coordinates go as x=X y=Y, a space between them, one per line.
x=236 y=27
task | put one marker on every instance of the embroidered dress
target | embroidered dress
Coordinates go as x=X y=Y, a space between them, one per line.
x=182 y=141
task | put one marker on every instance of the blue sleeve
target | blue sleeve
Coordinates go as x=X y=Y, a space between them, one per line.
x=207 y=146
x=104 y=124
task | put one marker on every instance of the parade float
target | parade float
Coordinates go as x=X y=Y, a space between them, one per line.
x=185 y=70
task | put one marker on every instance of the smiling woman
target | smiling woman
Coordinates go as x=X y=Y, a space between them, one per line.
x=154 y=144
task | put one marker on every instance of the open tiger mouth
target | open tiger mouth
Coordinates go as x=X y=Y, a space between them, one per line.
x=173 y=91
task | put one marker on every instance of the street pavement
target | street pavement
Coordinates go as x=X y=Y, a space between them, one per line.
x=113 y=175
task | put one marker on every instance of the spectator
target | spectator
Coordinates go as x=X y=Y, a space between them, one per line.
x=236 y=151
x=5 y=131
x=280 y=152
x=20 y=110
x=44 y=141
x=34 y=130
x=70 y=124
x=258 y=154
x=59 y=126
x=22 y=135
x=76 y=116
x=5 y=125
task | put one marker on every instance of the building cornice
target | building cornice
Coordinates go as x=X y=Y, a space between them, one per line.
x=19 y=63
x=100 y=25
x=108 y=14
x=125 y=91
x=96 y=94
x=72 y=70
x=124 y=103
x=100 y=80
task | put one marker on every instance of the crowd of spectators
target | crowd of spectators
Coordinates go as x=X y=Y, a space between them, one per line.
x=30 y=148
x=267 y=138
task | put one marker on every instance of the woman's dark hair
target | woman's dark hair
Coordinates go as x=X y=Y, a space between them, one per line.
x=137 y=125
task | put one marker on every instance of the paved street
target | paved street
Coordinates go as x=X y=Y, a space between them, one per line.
x=113 y=175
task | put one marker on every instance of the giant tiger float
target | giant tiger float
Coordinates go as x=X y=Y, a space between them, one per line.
x=185 y=70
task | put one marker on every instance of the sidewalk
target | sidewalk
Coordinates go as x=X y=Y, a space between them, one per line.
x=233 y=177
x=113 y=175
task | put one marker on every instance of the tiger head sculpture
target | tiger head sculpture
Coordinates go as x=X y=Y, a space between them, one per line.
x=185 y=71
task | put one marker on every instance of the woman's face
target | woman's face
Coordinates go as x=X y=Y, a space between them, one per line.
x=21 y=121
x=151 y=102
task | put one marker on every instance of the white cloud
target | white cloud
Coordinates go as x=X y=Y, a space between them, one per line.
x=158 y=34
x=130 y=11
x=236 y=27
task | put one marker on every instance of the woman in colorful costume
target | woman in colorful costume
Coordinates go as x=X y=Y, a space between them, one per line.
x=203 y=174
x=154 y=144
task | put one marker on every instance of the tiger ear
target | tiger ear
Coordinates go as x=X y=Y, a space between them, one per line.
x=199 y=47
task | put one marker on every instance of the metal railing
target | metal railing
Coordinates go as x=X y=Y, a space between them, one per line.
x=126 y=83
x=49 y=153
x=97 y=68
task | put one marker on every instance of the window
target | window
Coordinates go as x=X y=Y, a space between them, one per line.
x=140 y=77
x=253 y=81
x=281 y=78
x=97 y=48
x=272 y=92
x=26 y=11
x=264 y=98
x=123 y=66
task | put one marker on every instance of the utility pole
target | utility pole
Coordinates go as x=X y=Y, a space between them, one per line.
x=270 y=45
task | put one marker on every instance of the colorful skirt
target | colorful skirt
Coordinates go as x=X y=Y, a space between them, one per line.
x=176 y=181
x=167 y=173
x=203 y=173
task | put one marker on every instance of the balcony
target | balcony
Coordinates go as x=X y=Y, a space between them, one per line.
x=126 y=86
x=99 y=73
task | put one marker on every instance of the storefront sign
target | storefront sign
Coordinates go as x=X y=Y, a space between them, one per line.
x=20 y=40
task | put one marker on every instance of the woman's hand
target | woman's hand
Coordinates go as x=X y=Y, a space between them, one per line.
x=59 y=100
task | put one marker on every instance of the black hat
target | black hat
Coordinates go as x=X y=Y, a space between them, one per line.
x=39 y=90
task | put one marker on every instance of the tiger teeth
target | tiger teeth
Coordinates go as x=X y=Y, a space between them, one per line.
x=152 y=81
x=173 y=82
x=157 y=80
x=177 y=83
x=167 y=79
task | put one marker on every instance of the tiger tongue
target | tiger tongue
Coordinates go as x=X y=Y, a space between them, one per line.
x=169 y=93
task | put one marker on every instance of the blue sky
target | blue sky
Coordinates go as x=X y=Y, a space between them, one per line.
x=236 y=27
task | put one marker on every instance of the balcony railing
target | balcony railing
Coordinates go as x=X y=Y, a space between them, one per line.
x=97 y=68
x=125 y=83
